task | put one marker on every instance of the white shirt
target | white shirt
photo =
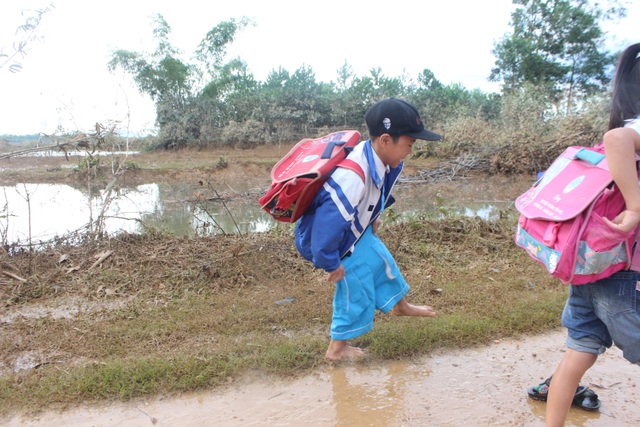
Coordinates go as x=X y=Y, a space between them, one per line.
x=633 y=124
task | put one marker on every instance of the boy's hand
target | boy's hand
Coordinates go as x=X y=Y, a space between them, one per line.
x=336 y=275
x=376 y=225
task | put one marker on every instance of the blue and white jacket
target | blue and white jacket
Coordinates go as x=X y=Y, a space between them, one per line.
x=344 y=207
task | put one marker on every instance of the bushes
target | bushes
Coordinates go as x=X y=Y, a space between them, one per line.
x=523 y=133
x=526 y=137
x=243 y=135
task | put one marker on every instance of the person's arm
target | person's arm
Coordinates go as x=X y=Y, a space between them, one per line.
x=621 y=145
x=334 y=216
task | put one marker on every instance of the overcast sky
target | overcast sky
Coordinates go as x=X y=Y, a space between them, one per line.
x=65 y=83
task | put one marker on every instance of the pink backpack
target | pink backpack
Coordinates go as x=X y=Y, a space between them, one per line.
x=561 y=224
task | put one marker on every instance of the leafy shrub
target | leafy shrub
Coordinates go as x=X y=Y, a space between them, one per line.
x=248 y=134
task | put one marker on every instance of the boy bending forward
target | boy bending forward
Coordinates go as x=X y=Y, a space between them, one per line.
x=339 y=231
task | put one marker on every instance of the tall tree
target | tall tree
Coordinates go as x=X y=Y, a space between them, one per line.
x=557 y=45
x=212 y=50
x=161 y=75
x=342 y=105
x=174 y=84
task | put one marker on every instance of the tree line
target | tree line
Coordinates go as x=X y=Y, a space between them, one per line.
x=553 y=54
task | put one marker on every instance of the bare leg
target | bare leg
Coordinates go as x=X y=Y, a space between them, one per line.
x=403 y=308
x=564 y=383
x=339 y=349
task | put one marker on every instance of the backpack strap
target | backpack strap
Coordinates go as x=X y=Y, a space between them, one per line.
x=351 y=165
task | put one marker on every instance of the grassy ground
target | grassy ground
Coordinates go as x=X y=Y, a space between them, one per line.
x=162 y=315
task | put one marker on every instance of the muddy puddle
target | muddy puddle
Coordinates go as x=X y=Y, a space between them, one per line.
x=484 y=386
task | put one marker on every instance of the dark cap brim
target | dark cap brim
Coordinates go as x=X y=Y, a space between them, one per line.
x=427 y=135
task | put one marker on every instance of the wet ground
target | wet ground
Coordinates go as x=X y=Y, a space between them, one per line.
x=485 y=386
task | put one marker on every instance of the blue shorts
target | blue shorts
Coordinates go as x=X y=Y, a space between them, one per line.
x=601 y=313
x=372 y=281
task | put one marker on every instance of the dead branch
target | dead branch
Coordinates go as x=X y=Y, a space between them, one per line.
x=14 y=276
x=80 y=141
x=101 y=257
x=449 y=170
x=59 y=147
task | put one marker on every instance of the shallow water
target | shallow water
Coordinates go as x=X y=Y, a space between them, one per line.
x=483 y=386
x=40 y=212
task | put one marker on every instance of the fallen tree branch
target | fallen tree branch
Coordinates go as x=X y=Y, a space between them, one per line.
x=449 y=171
x=14 y=276
x=64 y=147
x=101 y=257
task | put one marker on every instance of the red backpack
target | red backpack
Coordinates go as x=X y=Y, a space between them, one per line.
x=298 y=176
x=561 y=225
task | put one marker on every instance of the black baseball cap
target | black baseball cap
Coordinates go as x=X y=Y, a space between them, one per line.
x=397 y=117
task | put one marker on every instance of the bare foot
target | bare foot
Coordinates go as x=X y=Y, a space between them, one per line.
x=339 y=350
x=403 y=308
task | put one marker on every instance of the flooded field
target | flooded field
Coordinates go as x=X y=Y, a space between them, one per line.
x=42 y=212
x=46 y=197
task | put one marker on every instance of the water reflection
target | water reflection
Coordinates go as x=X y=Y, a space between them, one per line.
x=41 y=212
x=484 y=210
x=413 y=201
x=79 y=153
x=244 y=219
x=362 y=398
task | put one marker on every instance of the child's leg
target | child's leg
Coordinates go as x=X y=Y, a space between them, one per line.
x=563 y=386
x=353 y=305
x=339 y=349
x=403 y=308
x=594 y=313
x=391 y=287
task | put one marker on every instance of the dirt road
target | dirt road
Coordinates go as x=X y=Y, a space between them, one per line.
x=485 y=386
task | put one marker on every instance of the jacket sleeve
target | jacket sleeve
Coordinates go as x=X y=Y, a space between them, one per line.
x=331 y=234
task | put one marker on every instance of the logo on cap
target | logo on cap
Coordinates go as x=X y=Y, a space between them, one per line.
x=386 y=122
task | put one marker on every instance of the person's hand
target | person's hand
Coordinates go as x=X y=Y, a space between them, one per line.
x=375 y=225
x=625 y=221
x=336 y=275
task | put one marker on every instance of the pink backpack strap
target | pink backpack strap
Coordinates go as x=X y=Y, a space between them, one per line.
x=351 y=165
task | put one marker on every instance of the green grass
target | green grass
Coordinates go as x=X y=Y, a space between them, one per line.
x=202 y=314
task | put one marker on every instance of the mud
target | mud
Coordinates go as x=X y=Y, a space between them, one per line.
x=483 y=386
